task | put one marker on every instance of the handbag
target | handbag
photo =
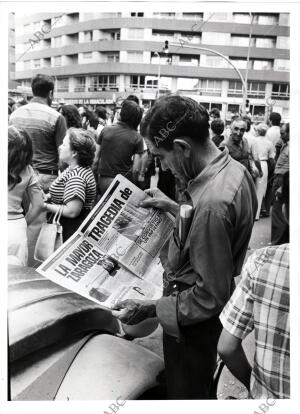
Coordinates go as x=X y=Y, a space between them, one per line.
x=50 y=238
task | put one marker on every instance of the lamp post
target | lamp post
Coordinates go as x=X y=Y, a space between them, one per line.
x=158 y=75
x=244 y=85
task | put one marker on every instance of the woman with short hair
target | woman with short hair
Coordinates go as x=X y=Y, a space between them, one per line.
x=71 y=115
x=75 y=188
x=21 y=180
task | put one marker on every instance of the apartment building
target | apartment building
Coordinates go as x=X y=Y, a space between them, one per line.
x=100 y=58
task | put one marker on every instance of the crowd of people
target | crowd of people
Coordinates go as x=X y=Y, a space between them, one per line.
x=64 y=160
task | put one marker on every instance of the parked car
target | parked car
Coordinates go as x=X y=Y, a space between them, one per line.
x=65 y=347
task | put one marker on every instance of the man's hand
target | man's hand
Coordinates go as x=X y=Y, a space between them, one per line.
x=134 y=311
x=160 y=200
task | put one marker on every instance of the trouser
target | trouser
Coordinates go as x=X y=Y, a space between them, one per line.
x=190 y=363
x=261 y=186
x=279 y=227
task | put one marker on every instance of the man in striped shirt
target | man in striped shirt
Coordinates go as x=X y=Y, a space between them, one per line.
x=45 y=126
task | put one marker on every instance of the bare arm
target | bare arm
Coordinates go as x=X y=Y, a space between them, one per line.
x=71 y=209
x=231 y=351
x=36 y=206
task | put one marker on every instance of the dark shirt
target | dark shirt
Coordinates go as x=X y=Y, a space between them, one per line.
x=217 y=139
x=46 y=128
x=239 y=151
x=224 y=200
x=283 y=163
x=118 y=144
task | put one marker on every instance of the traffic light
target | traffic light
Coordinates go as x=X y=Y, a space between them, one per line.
x=166 y=48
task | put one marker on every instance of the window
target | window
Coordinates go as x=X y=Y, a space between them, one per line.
x=151 y=82
x=137 y=81
x=235 y=89
x=62 y=85
x=189 y=38
x=104 y=83
x=283 y=42
x=87 y=55
x=113 y=57
x=163 y=14
x=265 y=18
x=37 y=63
x=282 y=64
x=215 y=38
x=240 y=63
x=88 y=36
x=242 y=18
x=57 y=61
x=137 y=14
x=56 y=41
x=161 y=36
x=232 y=109
x=188 y=61
x=262 y=64
x=213 y=61
x=135 y=57
x=187 y=84
x=280 y=91
x=210 y=87
x=265 y=42
x=237 y=40
x=256 y=90
x=135 y=33
x=192 y=16
x=80 y=84
x=115 y=35
x=73 y=59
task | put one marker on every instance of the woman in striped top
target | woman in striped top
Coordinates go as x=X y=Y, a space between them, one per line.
x=75 y=188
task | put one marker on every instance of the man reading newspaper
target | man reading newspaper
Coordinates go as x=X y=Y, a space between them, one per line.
x=199 y=270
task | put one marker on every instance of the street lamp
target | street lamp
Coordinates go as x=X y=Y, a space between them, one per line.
x=158 y=75
x=244 y=85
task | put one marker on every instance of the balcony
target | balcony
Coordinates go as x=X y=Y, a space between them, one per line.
x=80 y=88
x=104 y=87
x=280 y=95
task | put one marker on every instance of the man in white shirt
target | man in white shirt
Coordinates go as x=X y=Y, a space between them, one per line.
x=273 y=133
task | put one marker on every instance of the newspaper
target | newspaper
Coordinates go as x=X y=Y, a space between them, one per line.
x=114 y=255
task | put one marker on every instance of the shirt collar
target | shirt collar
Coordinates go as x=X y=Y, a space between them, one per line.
x=37 y=99
x=209 y=172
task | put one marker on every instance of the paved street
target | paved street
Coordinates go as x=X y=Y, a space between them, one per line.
x=228 y=385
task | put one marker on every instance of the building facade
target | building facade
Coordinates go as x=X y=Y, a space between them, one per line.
x=100 y=58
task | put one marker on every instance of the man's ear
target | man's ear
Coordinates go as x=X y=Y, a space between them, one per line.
x=183 y=146
x=51 y=95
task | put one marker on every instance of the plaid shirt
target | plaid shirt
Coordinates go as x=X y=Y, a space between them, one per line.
x=261 y=302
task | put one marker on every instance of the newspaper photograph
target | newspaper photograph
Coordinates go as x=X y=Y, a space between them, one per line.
x=114 y=255
x=122 y=229
x=80 y=267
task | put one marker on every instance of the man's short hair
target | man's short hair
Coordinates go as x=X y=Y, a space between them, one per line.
x=131 y=113
x=217 y=126
x=41 y=85
x=101 y=112
x=133 y=98
x=247 y=120
x=215 y=112
x=275 y=118
x=175 y=116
